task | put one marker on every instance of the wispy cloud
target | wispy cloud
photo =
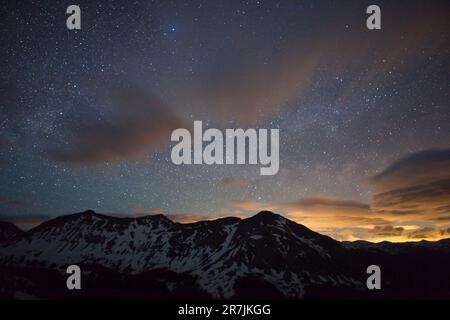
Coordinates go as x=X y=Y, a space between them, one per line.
x=140 y=125
x=417 y=185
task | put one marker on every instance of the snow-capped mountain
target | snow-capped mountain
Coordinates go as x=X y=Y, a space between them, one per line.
x=222 y=258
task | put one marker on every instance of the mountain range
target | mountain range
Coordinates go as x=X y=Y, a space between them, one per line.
x=265 y=256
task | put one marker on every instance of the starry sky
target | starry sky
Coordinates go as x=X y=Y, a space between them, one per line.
x=86 y=115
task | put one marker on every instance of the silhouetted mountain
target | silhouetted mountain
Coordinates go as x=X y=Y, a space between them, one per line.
x=9 y=231
x=391 y=247
x=264 y=256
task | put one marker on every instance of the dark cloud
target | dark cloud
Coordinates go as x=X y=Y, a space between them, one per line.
x=443 y=219
x=140 y=125
x=423 y=233
x=425 y=197
x=387 y=231
x=418 y=168
x=416 y=185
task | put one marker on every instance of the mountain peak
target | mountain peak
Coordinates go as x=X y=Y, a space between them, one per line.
x=266 y=217
x=9 y=230
x=265 y=214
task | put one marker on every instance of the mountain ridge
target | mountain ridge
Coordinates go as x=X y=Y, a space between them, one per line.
x=124 y=218
x=213 y=258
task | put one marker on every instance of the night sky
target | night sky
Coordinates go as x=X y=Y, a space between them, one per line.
x=86 y=115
